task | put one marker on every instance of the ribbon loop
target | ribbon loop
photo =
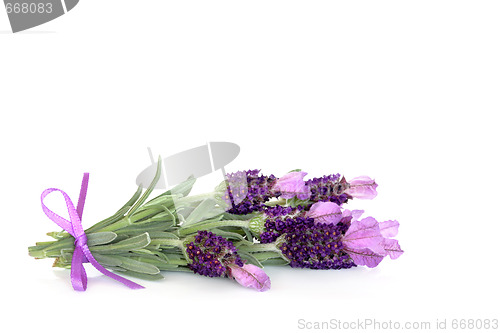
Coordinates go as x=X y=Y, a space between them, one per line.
x=74 y=227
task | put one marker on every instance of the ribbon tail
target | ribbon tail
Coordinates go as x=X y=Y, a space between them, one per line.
x=78 y=274
x=104 y=271
x=83 y=195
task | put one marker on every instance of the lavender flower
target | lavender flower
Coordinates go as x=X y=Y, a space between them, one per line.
x=305 y=241
x=247 y=191
x=316 y=246
x=327 y=237
x=328 y=188
x=277 y=220
x=211 y=255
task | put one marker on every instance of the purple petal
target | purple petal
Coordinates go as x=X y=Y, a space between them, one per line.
x=364 y=234
x=355 y=214
x=365 y=257
x=304 y=192
x=392 y=248
x=325 y=212
x=250 y=276
x=292 y=184
x=389 y=228
x=362 y=187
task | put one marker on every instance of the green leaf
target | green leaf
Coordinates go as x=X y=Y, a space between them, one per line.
x=229 y=216
x=138 y=266
x=275 y=262
x=107 y=260
x=162 y=234
x=148 y=191
x=184 y=188
x=153 y=211
x=294 y=202
x=66 y=255
x=263 y=256
x=58 y=234
x=250 y=259
x=132 y=200
x=132 y=243
x=231 y=235
x=151 y=226
x=178 y=191
x=178 y=269
x=149 y=277
x=206 y=209
x=99 y=238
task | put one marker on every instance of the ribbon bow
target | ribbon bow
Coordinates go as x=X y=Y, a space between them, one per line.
x=74 y=228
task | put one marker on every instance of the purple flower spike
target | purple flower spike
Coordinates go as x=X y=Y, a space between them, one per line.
x=248 y=191
x=250 y=276
x=325 y=212
x=210 y=255
x=293 y=184
x=362 y=187
x=329 y=188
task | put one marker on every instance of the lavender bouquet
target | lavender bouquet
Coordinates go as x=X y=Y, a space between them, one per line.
x=248 y=222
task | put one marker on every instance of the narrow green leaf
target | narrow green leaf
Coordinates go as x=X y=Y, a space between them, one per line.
x=250 y=259
x=132 y=243
x=148 y=191
x=231 y=235
x=206 y=209
x=180 y=190
x=132 y=200
x=138 y=266
x=149 y=277
x=162 y=234
x=178 y=269
x=229 y=216
x=66 y=255
x=107 y=260
x=58 y=234
x=146 y=227
x=99 y=238
x=160 y=211
x=275 y=262
x=263 y=256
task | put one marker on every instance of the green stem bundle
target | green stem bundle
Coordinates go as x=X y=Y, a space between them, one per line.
x=143 y=238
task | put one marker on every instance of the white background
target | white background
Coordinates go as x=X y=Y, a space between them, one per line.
x=404 y=91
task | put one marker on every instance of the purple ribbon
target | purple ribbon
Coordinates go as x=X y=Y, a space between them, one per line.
x=74 y=228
